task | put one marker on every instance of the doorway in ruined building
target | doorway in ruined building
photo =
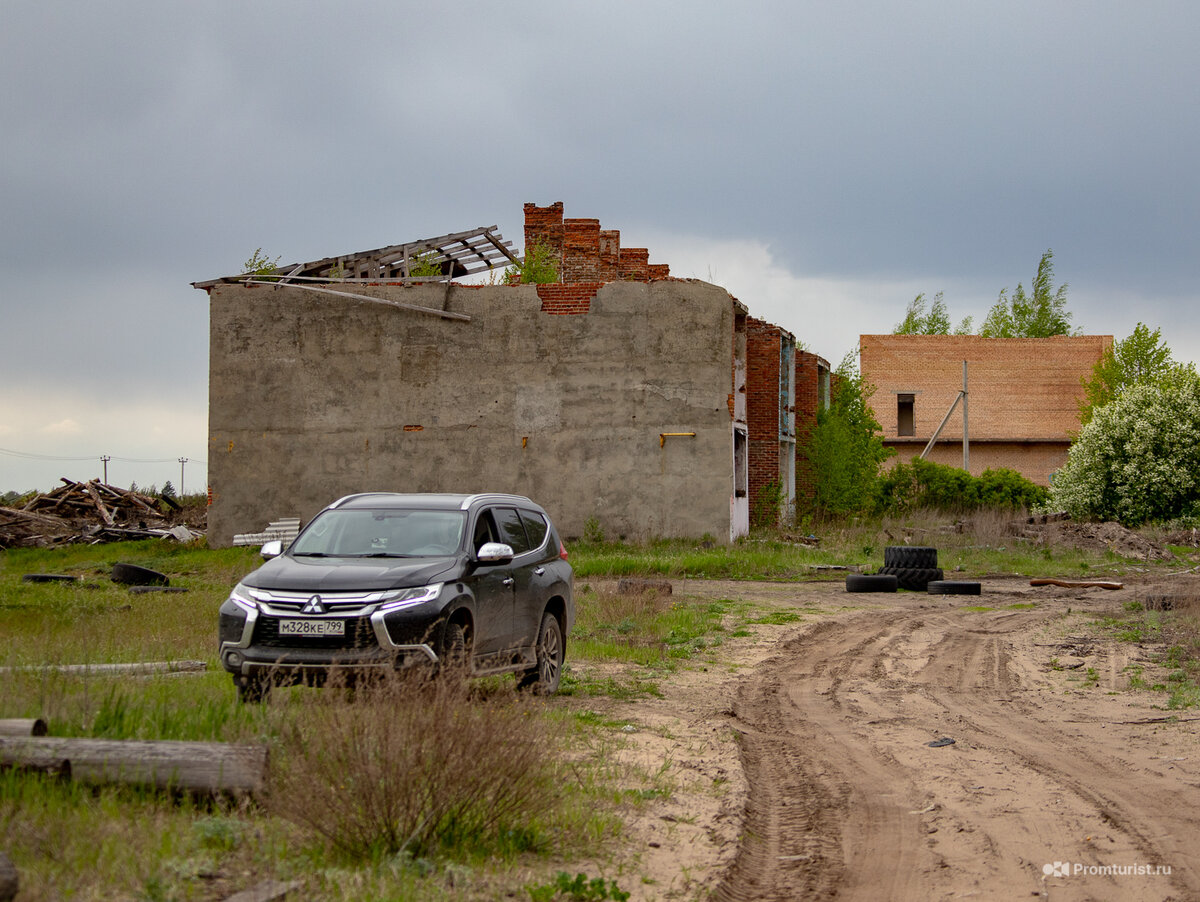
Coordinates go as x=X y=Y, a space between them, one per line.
x=739 y=500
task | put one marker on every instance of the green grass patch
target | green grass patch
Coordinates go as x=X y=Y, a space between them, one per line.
x=777 y=618
x=646 y=628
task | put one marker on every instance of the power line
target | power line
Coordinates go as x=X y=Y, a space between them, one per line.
x=129 y=460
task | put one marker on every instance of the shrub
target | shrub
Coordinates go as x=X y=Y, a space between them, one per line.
x=416 y=765
x=768 y=505
x=845 y=448
x=1138 y=459
x=923 y=483
x=425 y=266
x=540 y=267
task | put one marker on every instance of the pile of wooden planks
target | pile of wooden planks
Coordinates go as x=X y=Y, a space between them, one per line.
x=90 y=512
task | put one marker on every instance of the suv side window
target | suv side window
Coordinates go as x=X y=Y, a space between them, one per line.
x=535 y=528
x=484 y=531
x=512 y=532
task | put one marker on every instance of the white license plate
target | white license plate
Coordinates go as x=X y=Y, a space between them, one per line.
x=312 y=627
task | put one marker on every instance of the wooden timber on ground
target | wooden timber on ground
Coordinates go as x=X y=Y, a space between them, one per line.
x=140 y=668
x=1077 y=583
x=90 y=512
x=202 y=767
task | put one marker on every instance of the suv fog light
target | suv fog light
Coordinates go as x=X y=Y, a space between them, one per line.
x=233 y=659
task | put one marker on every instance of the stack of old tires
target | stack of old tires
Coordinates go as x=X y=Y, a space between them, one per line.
x=911 y=567
x=914 y=566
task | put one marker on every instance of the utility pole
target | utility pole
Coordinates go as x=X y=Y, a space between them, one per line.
x=104 y=459
x=182 y=461
x=966 y=437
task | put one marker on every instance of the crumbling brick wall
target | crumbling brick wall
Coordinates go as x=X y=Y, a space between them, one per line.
x=812 y=393
x=583 y=252
x=764 y=343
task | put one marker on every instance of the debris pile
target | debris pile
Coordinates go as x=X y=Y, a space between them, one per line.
x=90 y=512
x=1060 y=530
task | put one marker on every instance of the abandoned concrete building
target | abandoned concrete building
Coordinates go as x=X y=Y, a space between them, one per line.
x=618 y=396
x=1022 y=397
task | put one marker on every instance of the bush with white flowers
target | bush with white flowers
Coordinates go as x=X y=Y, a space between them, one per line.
x=1138 y=459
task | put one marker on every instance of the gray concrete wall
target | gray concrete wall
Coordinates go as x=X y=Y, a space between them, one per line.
x=312 y=397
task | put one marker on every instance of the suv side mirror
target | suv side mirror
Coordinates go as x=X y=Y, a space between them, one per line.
x=271 y=549
x=494 y=553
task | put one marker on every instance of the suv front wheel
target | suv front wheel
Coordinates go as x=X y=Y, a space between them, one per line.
x=545 y=677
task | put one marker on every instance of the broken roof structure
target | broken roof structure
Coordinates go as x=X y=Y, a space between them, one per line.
x=458 y=254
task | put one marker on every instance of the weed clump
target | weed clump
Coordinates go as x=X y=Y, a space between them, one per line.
x=418 y=766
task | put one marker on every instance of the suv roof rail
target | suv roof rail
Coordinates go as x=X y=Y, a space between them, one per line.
x=495 y=496
x=346 y=498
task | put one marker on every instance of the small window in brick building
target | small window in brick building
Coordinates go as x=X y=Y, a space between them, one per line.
x=906 y=421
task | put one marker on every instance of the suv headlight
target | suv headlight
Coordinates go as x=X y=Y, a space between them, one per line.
x=407 y=598
x=241 y=597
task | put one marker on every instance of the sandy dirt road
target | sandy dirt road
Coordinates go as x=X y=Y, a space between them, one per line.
x=1061 y=781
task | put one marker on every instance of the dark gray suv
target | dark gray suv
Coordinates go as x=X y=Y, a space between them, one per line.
x=380 y=581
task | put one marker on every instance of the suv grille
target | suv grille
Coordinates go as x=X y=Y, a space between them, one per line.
x=359 y=634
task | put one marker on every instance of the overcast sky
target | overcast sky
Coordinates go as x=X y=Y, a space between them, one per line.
x=822 y=161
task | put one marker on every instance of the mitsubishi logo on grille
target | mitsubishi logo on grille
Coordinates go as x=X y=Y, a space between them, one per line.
x=313 y=606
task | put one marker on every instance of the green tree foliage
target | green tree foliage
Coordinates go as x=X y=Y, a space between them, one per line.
x=260 y=264
x=846 y=448
x=935 y=322
x=1141 y=357
x=540 y=267
x=1038 y=315
x=925 y=484
x=1138 y=459
x=425 y=266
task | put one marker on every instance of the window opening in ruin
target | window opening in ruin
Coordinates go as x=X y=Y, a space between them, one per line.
x=906 y=421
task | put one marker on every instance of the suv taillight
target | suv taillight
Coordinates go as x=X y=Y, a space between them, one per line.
x=562 y=550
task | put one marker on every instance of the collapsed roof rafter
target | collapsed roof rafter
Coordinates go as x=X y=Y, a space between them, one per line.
x=458 y=254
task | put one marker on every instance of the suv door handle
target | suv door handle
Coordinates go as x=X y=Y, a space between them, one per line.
x=538 y=571
x=508 y=581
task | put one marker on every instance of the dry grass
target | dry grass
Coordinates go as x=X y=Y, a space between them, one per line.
x=417 y=765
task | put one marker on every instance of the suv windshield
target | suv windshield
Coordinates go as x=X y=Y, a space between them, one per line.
x=381 y=533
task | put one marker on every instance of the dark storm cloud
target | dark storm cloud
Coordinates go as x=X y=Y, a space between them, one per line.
x=897 y=147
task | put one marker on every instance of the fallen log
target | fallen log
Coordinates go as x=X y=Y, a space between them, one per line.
x=22 y=726
x=267 y=891
x=206 y=767
x=144 y=668
x=48 y=765
x=9 y=879
x=1077 y=584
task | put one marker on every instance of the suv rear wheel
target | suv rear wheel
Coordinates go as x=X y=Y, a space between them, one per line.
x=545 y=677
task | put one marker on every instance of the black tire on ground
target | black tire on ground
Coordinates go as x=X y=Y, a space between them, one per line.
x=49 y=578
x=455 y=658
x=252 y=689
x=551 y=649
x=871 y=582
x=914 y=579
x=910 y=557
x=133 y=575
x=953 y=587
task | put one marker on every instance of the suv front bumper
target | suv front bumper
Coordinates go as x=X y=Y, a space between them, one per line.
x=241 y=655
